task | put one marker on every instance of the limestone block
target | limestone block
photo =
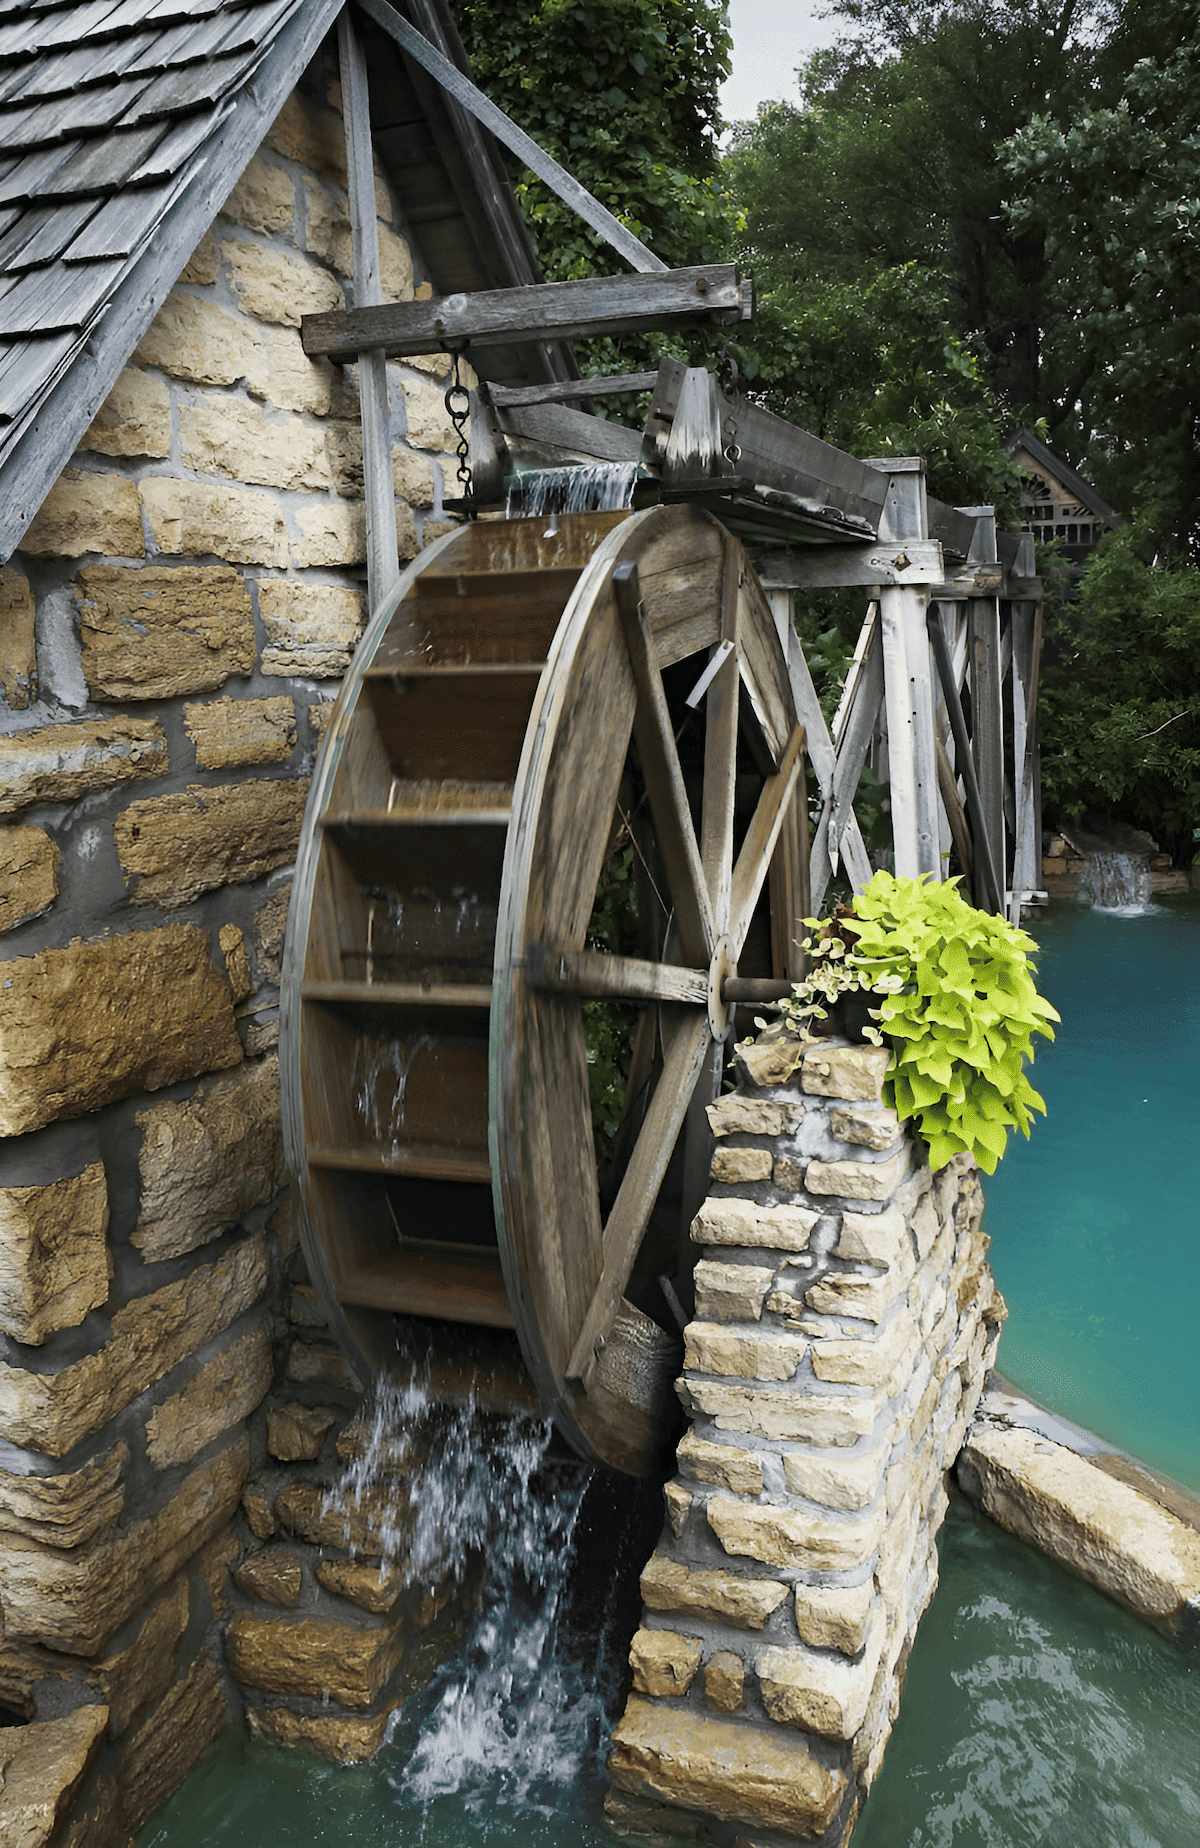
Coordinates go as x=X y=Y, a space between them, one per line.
x=227 y=1389
x=60 y=763
x=96 y=1021
x=730 y=1292
x=834 y=1616
x=41 y=1768
x=732 y=1165
x=156 y=632
x=429 y=425
x=790 y=1537
x=269 y=929
x=742 y=1222
x=710 y=1348
x=220 y=435
x=865 y=1363
x=375 y=1522
x=311 y=629
x=295 y=1433
x=874 y=1238
x=53 y=1254
x=273 y=285
x=771 y=1059
x=374 y=1588
x=280 y=371
x=319 y=1364
x=18 y=649
x=170 y=1740
x=845 y=1483
x=724 y=1465
x=747 y=1116
x=272 y=1574
x=855 y=1073
x=312 y=1657
x=348 y=1739
x=663 y=1663
x=412 y=477
x=202 y=837
x=76 y=1601
x=28 y=875
x=329 y=239
x=257 y=1510
x=263 y=199
x=131 y=1677
x=820 y=1693
x=192 y=339
x=206 y=1162
x=746 y=1603
x=134 y=420
x=867 y=1298
x=194 y=518
x=67 y=1510
x=788 y=1174
x=150 y=1335
x=87 y=511
x=723 y=1768
x=1099 y=1526
x=97 y=1823
x=724 y=1682
x=858 y=1180
x=204 y=265
x=870 y=1129
x=827 y=1420
x=313 y=136
x=678 y=1504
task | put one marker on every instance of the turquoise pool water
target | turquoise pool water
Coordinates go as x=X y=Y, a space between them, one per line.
x=1035 y=1711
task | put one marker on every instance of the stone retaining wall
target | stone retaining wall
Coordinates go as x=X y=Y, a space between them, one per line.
x=845 y=1320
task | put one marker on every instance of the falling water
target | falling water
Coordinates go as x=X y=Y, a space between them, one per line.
x=1118 y=883
x=585 y=487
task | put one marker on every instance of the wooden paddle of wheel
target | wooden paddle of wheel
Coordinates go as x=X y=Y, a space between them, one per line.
x=512 y=778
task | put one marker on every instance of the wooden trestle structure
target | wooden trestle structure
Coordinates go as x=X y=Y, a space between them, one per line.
x=543 y=708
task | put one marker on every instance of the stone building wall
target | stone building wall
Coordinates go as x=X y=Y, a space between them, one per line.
x=845 y=1321
x=172 y=633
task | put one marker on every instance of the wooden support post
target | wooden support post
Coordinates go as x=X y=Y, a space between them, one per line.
x=985 y=855
x=1026 y=658
x=824 y=763
x=383 y=561
x=908 y=685
x=694 y=446
x=987 y=724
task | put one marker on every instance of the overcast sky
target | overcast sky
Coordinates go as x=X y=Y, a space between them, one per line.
x=769 y=39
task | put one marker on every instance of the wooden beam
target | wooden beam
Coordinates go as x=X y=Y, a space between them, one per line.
x=593 y=973
x=556 y=177
x=559 y=427
x=916 y=561
x=547 y=311
x=754 y=859
x=616 y=384
x=987 y=724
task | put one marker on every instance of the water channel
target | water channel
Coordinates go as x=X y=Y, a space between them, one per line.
x=1035 y=1711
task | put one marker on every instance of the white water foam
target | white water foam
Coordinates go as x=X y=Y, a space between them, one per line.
x=585 y=487
x=1117 y=883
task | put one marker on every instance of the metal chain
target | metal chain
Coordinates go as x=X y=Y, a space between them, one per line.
x=727 y=376
x=458 y=407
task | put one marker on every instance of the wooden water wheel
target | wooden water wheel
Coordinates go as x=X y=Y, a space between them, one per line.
x=531 y=870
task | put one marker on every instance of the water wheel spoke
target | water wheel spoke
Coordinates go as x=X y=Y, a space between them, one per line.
x=720 y=756
x=753 y=862
x=664 y=780
x=595 y=975
x=634 y=1203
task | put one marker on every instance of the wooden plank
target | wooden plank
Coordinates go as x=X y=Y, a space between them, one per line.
x=824 y=762
x=549 y=310
x=901 y=733
x=914 y=604
x=556 y=427
x=457 y=1283
x=399 y=994
x=610 y=385
x=694 y=447
x=960 y=833
x=917 y=561
x=428 y=1160
x=753 y=862
x=594 y=973
x=854 y=743
x=987 y=725
x=987 y=860
x=547 y=169
x=866 y=645
x=1026 y=654
x=720 y=752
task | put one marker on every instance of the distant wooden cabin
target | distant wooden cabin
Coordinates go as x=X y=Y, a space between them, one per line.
x=1057 y=504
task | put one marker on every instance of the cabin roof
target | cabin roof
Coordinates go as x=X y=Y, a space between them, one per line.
x=1048 y=459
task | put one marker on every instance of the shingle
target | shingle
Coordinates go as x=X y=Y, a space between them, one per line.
x=121 y=224
x=57 y=297
x=190 y=40
x=105 y=163
x=80 y=112
x=27 y=366
x=75 y=24
x=63 y=71
x=178 y=145
x=176 y=92
x=30 y=172
x=42 y=233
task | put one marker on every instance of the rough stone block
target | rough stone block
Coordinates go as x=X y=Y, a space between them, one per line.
x=747 y=1116
x=154 y=633
x=227 y=732
x=263 y=200
x=732 y=1165
x=710 y=1348
x=721 y=1464
x=830 y=1421
x=259 y=1518
x=723 y=1768
x=866 y=1363
x=429 y=425
x=742 y=1222
x=221 y=435
x=412 y=478
x=730 y=1292
x=678 y=1504
x=319 y=1364
x=311 y=629
x=373 y=1588
x=376 y=1523
x=834 y=1616
x=76 y=1601
x=279 y=371
x=206 y=1162
x=53 y=1254
x=28 y=875
x=60 y=763
x=227 y=1389
x=771 y=1059
x=273 y=285
x=311 y=135
x=820 y=1693
x=196 y=518
x=790 y=1537
x=348 y=1739
x=52 y=1411
x=202 y=837
x=858 y=1180
x=845 y=1483
x=41 y=1768
x=134 y=420
x=866 y=1298
x=86 y=511
x=97 y=1021
x=140 y=1673
x=724 y=1682
x=312 y=1657
x=746 y=1603
x=204 y=265
x=172 y=1738
x=272 y=1574
x=663 y=1663
x=855 y=1073
x=874 y=1238
x=18 y=647
x=870 y=1129
x=67 y=1510
x=295 y=1433
x=192 y=339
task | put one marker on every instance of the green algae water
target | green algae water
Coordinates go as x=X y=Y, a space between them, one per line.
x=1035 y=1711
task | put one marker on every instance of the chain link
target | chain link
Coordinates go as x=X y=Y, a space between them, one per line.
x=727 y=376
x=458 y=407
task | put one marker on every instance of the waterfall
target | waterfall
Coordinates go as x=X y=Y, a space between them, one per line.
x=1118 y=883
x=585 y=487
